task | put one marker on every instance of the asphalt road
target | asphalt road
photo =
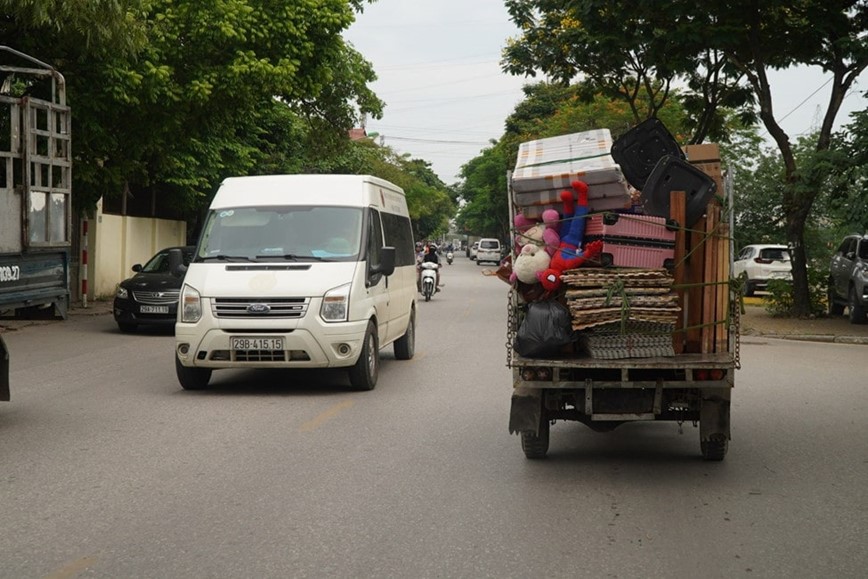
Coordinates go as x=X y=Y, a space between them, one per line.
x=109 y=469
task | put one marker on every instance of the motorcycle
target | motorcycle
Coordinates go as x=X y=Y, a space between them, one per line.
x=449 y=257
x=429 y=279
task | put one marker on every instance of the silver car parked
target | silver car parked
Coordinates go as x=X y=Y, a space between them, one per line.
x=848 y=279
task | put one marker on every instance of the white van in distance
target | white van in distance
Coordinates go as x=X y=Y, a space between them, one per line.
x=299 y=271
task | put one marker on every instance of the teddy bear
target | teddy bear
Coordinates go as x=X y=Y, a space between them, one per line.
x=530 y=264
x=544 y=233
x=568 y=254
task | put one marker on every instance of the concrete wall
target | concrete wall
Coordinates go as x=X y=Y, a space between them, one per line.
x=116 y=243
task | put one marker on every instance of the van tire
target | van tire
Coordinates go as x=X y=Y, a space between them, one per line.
x=405 y=346
x=127 y=328
x=192 y=378
x=364 y=373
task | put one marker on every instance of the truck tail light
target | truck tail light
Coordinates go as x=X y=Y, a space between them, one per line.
x=709 y=374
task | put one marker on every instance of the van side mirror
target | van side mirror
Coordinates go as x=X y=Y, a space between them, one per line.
x=387 y=262
x=176 y=263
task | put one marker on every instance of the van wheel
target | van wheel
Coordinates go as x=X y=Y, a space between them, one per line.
x=192 y=378
x=126 y=327
x=405 y=346
x=363 y=375
x=857 y=313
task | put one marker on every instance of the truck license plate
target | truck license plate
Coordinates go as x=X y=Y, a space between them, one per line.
x=251 y=343
x=154 y=309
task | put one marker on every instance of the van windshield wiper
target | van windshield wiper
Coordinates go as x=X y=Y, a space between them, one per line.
x=224 y=257
x=293 y=257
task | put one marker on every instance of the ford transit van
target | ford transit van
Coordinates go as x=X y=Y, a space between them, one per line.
x=299 y=271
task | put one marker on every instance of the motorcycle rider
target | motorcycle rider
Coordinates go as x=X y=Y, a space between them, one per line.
x=430 y=255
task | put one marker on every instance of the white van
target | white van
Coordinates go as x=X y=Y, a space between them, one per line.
x=488 y=250
x=299 y=271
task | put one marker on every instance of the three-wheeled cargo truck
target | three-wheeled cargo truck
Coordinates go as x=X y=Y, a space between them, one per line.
x=627 y=362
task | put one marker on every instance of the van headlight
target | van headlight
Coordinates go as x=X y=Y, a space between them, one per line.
x=336 y=304
x=191 y=305
x=122 y=293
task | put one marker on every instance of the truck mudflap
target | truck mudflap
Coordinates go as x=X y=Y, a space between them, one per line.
x=526 y=411
x=4 y=371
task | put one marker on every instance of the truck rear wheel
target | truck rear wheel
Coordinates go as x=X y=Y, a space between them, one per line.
x=536 y=445
x=715 y=448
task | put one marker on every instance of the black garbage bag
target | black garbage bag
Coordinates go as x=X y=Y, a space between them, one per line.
x=546 y=329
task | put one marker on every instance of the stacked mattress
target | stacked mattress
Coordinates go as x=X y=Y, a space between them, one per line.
x=545 y=167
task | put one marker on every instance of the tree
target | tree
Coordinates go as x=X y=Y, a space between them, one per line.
x=192 y=103
x=741 y=39
x=628 y=51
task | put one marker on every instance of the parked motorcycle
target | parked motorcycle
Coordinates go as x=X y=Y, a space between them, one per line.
x=449 y=257
x=429 y=279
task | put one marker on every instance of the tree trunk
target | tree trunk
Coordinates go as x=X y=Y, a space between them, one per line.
x=799 y=261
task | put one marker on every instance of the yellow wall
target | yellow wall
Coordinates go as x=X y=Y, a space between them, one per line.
x=116 y=243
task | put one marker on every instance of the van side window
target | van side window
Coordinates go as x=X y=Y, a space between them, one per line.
x=375 y=237
x=399 y=234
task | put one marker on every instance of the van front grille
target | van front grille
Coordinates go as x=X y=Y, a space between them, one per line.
x=268 y=308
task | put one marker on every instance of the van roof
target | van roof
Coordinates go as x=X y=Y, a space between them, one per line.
x=301 y=190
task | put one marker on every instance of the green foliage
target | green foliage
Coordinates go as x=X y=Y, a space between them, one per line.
x=780 y=301
x=204 y=93
x=630 y=51
x=483 y=190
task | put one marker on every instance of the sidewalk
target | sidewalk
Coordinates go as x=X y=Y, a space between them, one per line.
x=756 y=321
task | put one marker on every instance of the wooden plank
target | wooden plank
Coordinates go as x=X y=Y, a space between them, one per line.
x=721 y=336
x=695 y=273
x=709 y=277
x=678 y=213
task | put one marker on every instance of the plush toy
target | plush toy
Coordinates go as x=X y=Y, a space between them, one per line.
x=543 y=233
x=530 y=264
x=568 y=255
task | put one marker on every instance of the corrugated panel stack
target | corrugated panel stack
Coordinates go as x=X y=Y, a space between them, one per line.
x=623 y=313
x=545 y=167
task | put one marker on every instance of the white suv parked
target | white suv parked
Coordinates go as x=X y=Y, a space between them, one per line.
x=761 y=263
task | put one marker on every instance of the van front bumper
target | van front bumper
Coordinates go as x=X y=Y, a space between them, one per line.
x=326 y=346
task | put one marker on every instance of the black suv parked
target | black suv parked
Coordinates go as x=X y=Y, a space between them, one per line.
x=848 y=279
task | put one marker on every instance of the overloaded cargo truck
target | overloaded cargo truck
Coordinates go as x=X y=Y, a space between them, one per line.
x=646 y=327
x=35 y=187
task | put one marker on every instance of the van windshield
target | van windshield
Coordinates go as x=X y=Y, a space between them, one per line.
x=282 y=233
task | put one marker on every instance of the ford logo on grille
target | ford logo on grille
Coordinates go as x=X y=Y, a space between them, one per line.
x=258 y=308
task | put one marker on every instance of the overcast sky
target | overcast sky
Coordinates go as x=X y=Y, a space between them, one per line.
x=437 y=63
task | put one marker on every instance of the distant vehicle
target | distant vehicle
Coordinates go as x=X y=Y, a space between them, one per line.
x=762 y=263
x=474 y=249
x=150 y=297
x=489 y=250
x=848 y=279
